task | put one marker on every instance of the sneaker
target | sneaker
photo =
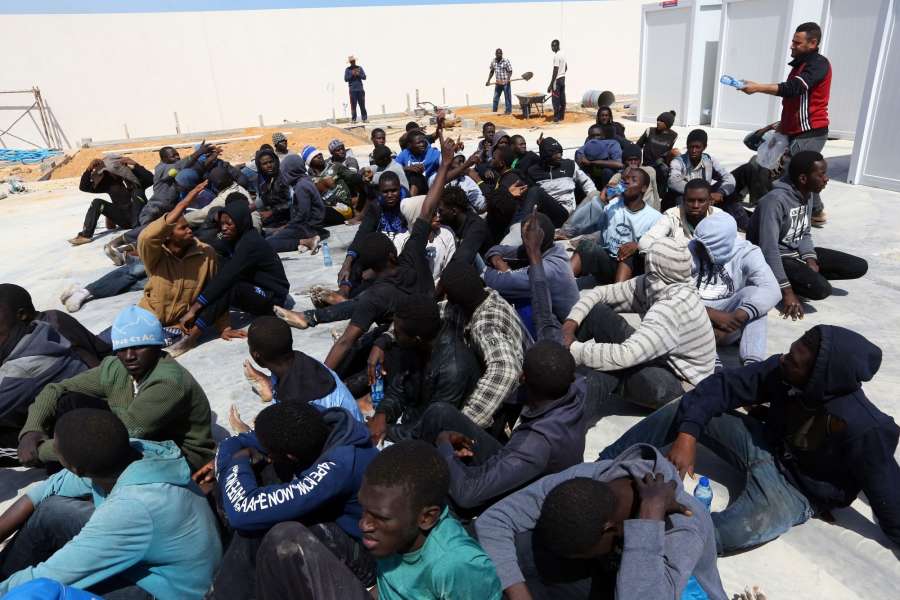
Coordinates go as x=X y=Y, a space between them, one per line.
x=79 y=239
x=74 y=287
x=77 y=299
x=819 y=219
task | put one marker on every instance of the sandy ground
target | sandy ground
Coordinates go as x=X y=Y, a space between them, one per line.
x=849 y=559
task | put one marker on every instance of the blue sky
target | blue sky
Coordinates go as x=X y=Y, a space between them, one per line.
x=136 y=6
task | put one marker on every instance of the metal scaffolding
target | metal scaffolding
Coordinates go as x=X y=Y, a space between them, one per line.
x=46 y=124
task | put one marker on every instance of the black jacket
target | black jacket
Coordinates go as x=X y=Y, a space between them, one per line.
x=830 y=441
x=251 y=259
x=121 y=192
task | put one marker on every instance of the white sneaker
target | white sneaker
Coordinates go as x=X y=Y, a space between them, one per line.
x=77 y=300
x=71 y=289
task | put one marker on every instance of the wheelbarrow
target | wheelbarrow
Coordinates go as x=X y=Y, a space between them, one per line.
x=532 y=100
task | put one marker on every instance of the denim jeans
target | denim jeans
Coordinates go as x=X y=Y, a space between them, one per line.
x=752 y=336
x=358 y=98
x=650 y=385
x=506 y=90
x=53 y=524
x=767 y=506
x=128 y=278
x=443 y=416
x=585 y=218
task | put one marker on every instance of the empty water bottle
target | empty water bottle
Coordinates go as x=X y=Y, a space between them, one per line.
x=703 y=492
x=615 y=190
x=729 y=80
x=326 y=254
x=377 y=393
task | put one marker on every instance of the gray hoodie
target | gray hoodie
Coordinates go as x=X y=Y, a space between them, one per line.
x=724 y=264
x=780 y=226
x=658 y=557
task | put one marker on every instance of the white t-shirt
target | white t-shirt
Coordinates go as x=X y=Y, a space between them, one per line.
x=559 y=61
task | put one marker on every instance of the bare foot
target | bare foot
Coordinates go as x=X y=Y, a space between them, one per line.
x=294 y=319
x=187 y=342
x=259 y=382
x=322 y=297
x=237 y=423
x=309 y=244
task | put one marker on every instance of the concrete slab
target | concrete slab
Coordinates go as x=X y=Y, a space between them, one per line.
x=849 y=559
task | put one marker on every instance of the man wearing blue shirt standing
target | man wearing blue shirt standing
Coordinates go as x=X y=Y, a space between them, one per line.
x=354 y=76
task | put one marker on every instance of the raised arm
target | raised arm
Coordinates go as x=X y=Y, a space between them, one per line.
x=429 y=206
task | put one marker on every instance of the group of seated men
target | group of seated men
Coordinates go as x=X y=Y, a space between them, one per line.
x=438 y=450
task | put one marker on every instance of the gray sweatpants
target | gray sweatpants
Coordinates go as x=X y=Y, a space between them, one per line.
x=752 y=336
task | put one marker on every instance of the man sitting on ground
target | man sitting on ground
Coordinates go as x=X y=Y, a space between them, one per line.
x=125 y=181
x=780 y=226
x=320 y=457
x=306 y=224
x=155 y=397
x=273 y=195
x=420 y=160
x=601 y=155
x=32 y=355
x=251 y=279
x=493 y=330
x=673 y=344
x=818 y=445
x=621 y=527
x=383 y=161
x=421 y=549
x=165 y=190
x=695 y=163
x=463 y=176
x=90 y=348
x=295 y=376
x=334 y=181
x=148 y=533
x=471 y=231
x=508 y=272
x=735 y=284
x=614 y=257
x=560 y=176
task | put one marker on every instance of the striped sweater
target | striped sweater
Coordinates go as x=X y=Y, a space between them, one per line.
x=674 y=324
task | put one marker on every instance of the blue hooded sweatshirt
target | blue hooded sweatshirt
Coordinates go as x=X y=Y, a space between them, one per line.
x=323 y=492
x=154 y=528
x=830 y=441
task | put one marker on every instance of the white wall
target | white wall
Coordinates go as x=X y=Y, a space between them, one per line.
x=849 y=34
x=222 y=69
x=665 y=43
x=876 y=152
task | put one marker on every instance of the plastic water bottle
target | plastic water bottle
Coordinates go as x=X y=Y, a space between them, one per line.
x=326 y=254
x=615 y=190
x=703 y=492
x=377 y=393
x=729 y=80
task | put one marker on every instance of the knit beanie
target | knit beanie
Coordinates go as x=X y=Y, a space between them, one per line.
x=549 y=147
x=308 y=153
x=697 y=135
x=334 y=145
x=135 y=326
x=630 y=151
x=667 y=117
x=278 y=137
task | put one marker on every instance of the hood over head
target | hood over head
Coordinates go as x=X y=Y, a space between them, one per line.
x=668 y=262
x=345 y=430
x=498 y=135
x=239 y=211
x=293 y=169
x=845 y=360
x=264 y=152
x=717 y=233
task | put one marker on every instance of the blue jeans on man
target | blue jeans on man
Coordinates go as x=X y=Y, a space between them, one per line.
x=506 y=90
x=358 y=97
x=767 y=507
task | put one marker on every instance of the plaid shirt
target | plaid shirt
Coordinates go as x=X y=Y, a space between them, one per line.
x=502 y=71
x=494 y=332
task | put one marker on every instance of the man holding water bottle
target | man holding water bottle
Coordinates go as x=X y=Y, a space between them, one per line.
x=805 y=96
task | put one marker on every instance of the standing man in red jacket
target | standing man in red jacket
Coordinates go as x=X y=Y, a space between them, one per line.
x=805 y=95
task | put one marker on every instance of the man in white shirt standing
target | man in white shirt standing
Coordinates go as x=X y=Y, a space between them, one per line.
x=557 y=87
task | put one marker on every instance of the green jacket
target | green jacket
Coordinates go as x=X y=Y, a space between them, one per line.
x=169 y=405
